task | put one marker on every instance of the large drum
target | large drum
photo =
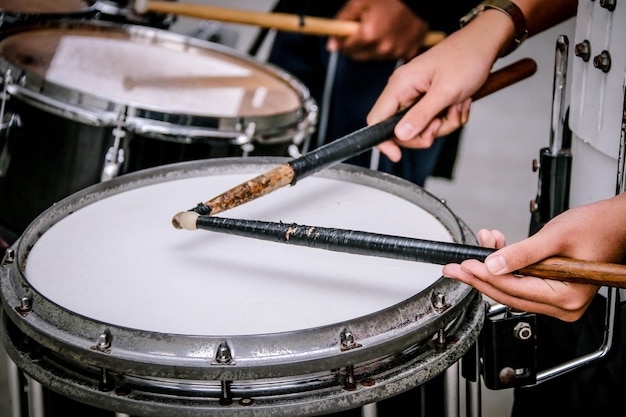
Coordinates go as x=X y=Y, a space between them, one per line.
x=85 y=102
x=106 y=303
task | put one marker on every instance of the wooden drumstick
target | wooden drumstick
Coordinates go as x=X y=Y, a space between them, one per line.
x=333 y=152
x=410 y=249
x=282 y=21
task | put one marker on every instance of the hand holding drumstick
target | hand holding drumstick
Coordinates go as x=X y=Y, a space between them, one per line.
x=331 y=153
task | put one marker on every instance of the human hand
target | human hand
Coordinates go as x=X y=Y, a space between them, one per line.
x=591 y=232
x=443 y=79
x=388 y=30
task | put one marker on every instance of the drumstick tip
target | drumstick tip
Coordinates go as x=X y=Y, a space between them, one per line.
x=185 y=220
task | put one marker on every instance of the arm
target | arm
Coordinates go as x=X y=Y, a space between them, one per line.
x=448 y=74
x=594 y=232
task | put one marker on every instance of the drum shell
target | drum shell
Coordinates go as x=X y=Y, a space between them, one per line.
x=293 y=359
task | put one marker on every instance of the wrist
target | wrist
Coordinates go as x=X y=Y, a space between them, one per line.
x=507 y=9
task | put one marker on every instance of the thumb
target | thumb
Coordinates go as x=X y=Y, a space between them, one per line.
x=518 y=255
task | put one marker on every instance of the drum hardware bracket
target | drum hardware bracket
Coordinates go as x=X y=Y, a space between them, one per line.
x=305 y=130
x=507 y=345
x=555 y=161
x=5 y=127
x=114 y=158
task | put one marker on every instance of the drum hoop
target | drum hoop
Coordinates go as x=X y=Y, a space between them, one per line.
x=13 y=17
x=407 y=323
x=256 y=399
x=140 y=118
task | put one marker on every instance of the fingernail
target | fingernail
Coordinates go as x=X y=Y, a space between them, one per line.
x=405 y=131
x=435 y=127
x=495 y=264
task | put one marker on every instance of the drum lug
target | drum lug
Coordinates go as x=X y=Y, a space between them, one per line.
x=245 y=139
x=104 y=342
x=438 y=301
x=348 y=341
x=224 y=355
x=114 y=157
x=106 y=381
x=9 y=257
x=25 y=307
x=226 y=397
x=350 y=382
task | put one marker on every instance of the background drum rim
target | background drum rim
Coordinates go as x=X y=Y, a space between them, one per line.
x=123 y=359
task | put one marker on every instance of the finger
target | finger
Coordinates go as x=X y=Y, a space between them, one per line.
x=491 y=238
x=538 y=290
x=423 y=112
x=500 y=290
x=390 y=150
x=497 y=294
x=518 y=255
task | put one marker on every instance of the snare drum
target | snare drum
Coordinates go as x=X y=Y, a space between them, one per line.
x=91 y=100
x=131 y=315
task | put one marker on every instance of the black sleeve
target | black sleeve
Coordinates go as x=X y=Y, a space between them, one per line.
x=441 y=15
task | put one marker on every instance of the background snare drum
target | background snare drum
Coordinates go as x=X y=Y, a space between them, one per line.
x=95 y=100
x=159 y=319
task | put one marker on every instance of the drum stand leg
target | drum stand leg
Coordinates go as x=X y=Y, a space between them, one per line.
x=14 y=387
x=35 y=398
x=451 y=391
x=473 y=399
x=369 y=410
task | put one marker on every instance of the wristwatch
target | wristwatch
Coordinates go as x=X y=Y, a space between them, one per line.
x=510 y=9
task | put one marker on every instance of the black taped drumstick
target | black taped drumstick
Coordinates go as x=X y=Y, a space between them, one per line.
x=410 y=249
x=336 y=151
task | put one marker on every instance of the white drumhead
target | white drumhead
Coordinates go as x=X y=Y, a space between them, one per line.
x=137 y=67
x=120 y=260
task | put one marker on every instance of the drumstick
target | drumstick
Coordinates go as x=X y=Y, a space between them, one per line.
x=282 y=21
x=334 y=152
x=410 y=249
